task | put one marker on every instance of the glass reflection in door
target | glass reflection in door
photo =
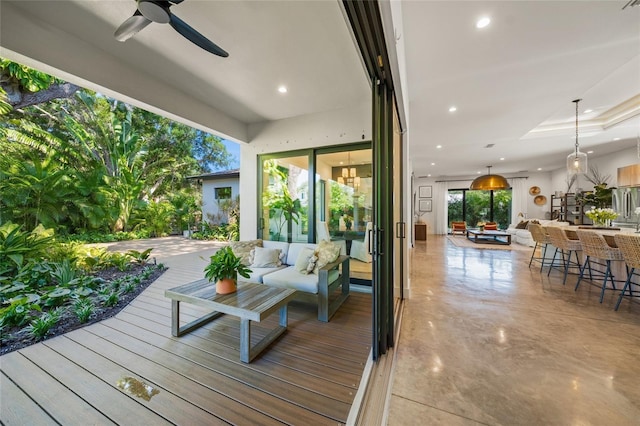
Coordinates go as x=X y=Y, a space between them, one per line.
x=285 y=199
x=344 y=206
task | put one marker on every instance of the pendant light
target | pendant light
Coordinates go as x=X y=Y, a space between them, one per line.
x=489 y=182
x=577 y=161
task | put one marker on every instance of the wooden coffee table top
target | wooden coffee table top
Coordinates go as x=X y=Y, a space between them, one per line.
x=252 y=301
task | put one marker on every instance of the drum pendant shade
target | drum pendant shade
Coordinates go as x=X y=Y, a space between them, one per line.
x=489 y=182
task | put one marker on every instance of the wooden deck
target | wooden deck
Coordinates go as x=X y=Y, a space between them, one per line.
x=307 y=377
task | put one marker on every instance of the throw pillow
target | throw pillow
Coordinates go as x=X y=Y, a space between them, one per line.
x=302 y=262
x=522 y=225
x=266 y=258
x=491 y=226
x=326 y=252
x=242 y=249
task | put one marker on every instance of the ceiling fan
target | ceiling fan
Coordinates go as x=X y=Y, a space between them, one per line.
x=158 y=11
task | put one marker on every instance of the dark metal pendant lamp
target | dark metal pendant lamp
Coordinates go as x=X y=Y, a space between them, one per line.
x=489 y=182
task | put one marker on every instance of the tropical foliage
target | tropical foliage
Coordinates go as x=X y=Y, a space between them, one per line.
x=85 y=162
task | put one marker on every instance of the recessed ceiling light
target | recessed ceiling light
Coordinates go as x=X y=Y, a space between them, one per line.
x=616 y=139
x=429 y=175
x=453 y=109
x=483 y=22
x=589 y=152
x=433 y=164
x=479 y=172
x=282 y=89
x=539 y=168
x=438 y=146
x=587 y=111
x=501 y=158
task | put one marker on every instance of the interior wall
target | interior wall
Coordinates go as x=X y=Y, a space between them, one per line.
x=607 y=165
x=337 y=127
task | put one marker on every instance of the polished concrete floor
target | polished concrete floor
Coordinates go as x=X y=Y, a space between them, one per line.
x=486 y=340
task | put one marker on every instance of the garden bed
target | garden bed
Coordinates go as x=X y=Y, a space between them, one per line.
x=17 y=337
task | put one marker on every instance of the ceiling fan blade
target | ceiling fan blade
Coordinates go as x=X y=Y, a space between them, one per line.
x=131 y=26
x=195 y=37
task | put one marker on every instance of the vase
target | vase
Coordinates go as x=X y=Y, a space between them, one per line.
x=226 y=286
x=602 y=223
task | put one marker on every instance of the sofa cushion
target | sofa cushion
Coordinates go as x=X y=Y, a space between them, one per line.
x=326 y=252
x=294 y=251
x=522 y=225
x=302 y=262
x=257 y=274
x=243 y=248
x=265 y=257
x=291 y=278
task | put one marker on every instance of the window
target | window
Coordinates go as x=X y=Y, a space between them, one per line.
x=480 y=206
x=223 y=193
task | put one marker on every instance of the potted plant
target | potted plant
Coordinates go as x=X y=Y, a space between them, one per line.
x=223 y=268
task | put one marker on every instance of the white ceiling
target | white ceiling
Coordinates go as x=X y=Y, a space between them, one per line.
x=518 y=75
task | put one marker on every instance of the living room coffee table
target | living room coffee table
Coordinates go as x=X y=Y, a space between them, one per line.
x=251 y=302
x=489 y=237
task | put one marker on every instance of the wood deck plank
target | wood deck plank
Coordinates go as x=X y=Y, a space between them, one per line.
x=16 y=406
x=208 y=356
x=179 y=400
x=116 y=405
x=63 y=406
x=214 y=374
x=170 y=371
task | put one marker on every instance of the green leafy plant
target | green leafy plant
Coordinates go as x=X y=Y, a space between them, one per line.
x=225 y=264
x=140 y=257
x=83 y=309
x=41 y=326
x=17 y=313
x=112 y=299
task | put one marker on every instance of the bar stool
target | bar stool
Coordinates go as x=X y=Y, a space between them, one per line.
x=595 y=246
x=629 y=246
x=542 y=240
x=559 y=239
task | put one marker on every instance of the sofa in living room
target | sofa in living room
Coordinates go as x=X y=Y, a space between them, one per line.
x=521 y=235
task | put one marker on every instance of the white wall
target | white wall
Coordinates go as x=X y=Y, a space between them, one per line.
x=209 y=202
x=607 y=165
x=347 y=125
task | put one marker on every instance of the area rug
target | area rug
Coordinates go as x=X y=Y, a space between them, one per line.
x=462 y=241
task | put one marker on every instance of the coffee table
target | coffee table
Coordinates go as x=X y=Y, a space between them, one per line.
x=489 y=237
x=251 y=302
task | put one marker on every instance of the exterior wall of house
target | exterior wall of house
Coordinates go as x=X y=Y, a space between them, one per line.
x=347 y=125
x=210 y=205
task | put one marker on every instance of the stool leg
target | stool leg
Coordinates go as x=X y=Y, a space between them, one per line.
x=544 y=256
x=584 y=265
x=553 y=260
x=626 y=284
x=533 y=254
x=566 y=266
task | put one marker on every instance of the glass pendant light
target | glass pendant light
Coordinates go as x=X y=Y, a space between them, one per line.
x=577 y=161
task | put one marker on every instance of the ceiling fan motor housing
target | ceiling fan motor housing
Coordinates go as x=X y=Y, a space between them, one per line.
x=156 y=11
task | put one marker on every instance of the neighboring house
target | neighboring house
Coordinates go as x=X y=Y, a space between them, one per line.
x=217 y=189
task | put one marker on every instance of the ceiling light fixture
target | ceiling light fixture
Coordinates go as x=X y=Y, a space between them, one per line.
x=501 y=158
x=587 y=111
x=349 y=175
x=438 y=146
x=489 y=182
x=577 y=161
x=453 y=109
x=282 y=89
x=539 y=168
x=483 y=22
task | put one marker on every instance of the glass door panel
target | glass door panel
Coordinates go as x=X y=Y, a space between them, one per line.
x=344 y=205
x=477 y=207
x=285 y=199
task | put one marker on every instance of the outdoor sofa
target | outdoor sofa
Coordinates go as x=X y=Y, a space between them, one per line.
x=317 y=285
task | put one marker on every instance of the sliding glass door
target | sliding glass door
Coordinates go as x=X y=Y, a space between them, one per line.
x=344 y=186
x=479 y=206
